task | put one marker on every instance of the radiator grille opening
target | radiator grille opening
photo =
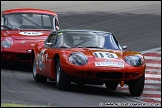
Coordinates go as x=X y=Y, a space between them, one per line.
x=23 y=56
x=109 y=75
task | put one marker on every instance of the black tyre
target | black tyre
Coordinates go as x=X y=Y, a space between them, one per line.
x=111 y=85
x=36 y=76
x=62 y=79
x=136 y=86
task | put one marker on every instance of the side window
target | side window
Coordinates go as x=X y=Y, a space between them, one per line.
x=54 y=40
x=50 y=40
x=2 y=22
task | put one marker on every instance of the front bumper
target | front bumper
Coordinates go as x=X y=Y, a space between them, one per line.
x=16 y=56
x=92 y=72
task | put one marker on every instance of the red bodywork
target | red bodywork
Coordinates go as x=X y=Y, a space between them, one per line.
x=47 y=57
x=22 y=47
x=29 y=10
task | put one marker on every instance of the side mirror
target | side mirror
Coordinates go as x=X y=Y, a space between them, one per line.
x=124 y=47
x=48 y=43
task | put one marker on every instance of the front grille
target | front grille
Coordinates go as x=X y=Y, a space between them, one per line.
x=23 y=56
x=86 y=74
x=109 y=75
x=131 y=75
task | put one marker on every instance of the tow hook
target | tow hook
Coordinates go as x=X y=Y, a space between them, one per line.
x=121 y=83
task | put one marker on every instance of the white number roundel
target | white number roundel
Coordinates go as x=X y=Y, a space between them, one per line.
x=105 y=55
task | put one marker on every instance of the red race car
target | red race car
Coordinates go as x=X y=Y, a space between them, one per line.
x=21 y=29
x=88 y=57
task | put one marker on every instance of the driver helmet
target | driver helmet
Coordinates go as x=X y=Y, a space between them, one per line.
x=16 y=20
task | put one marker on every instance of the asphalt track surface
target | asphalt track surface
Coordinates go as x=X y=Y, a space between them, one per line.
x=136 y=24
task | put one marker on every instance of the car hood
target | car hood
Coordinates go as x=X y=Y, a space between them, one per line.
x=101 y=54
x=25 y=38
x=27 y=34
x=97 y=53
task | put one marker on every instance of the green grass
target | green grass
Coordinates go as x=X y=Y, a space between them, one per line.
x=19 y=105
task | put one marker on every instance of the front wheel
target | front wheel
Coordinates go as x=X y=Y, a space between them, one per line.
x=36 y=76
x=62 y=80
x=136 y=86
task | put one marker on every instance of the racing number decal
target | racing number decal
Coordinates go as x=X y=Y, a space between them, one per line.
x=105 y=55
x=41 y=60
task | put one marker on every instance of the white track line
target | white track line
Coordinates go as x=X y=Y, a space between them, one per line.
x=146 y=86
x=146 y=92
x=151 y=50
x=152 y=82
x=153 y=58
x=153 y=70
x=153 y=64
x=152 y=76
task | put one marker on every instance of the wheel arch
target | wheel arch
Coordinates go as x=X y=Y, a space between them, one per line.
x=55 y=58
x=32 y=57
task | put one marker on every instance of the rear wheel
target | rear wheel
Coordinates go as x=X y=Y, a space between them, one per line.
x=111 y=85
x=136 y=86
x=36 y=76
x=62 y=79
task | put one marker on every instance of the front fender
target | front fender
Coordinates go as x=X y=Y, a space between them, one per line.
x=38 y=47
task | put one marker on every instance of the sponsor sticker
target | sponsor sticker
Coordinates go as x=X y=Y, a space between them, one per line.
x=111 y=64
x=31 y=33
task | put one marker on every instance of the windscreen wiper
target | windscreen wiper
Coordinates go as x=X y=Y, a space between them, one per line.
x=94 y=47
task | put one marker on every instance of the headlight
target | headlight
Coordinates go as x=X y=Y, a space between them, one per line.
x=7 y=42
x=78 y=58
x=135 y=61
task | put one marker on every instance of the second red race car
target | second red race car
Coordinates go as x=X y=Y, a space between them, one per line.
x=21 y=29
x=88 y=57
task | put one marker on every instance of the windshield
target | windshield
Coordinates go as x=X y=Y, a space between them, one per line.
x=87 y=39
x=28 y=21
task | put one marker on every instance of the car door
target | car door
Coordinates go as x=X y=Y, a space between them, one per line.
x=42 y=57
x=48 y=54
